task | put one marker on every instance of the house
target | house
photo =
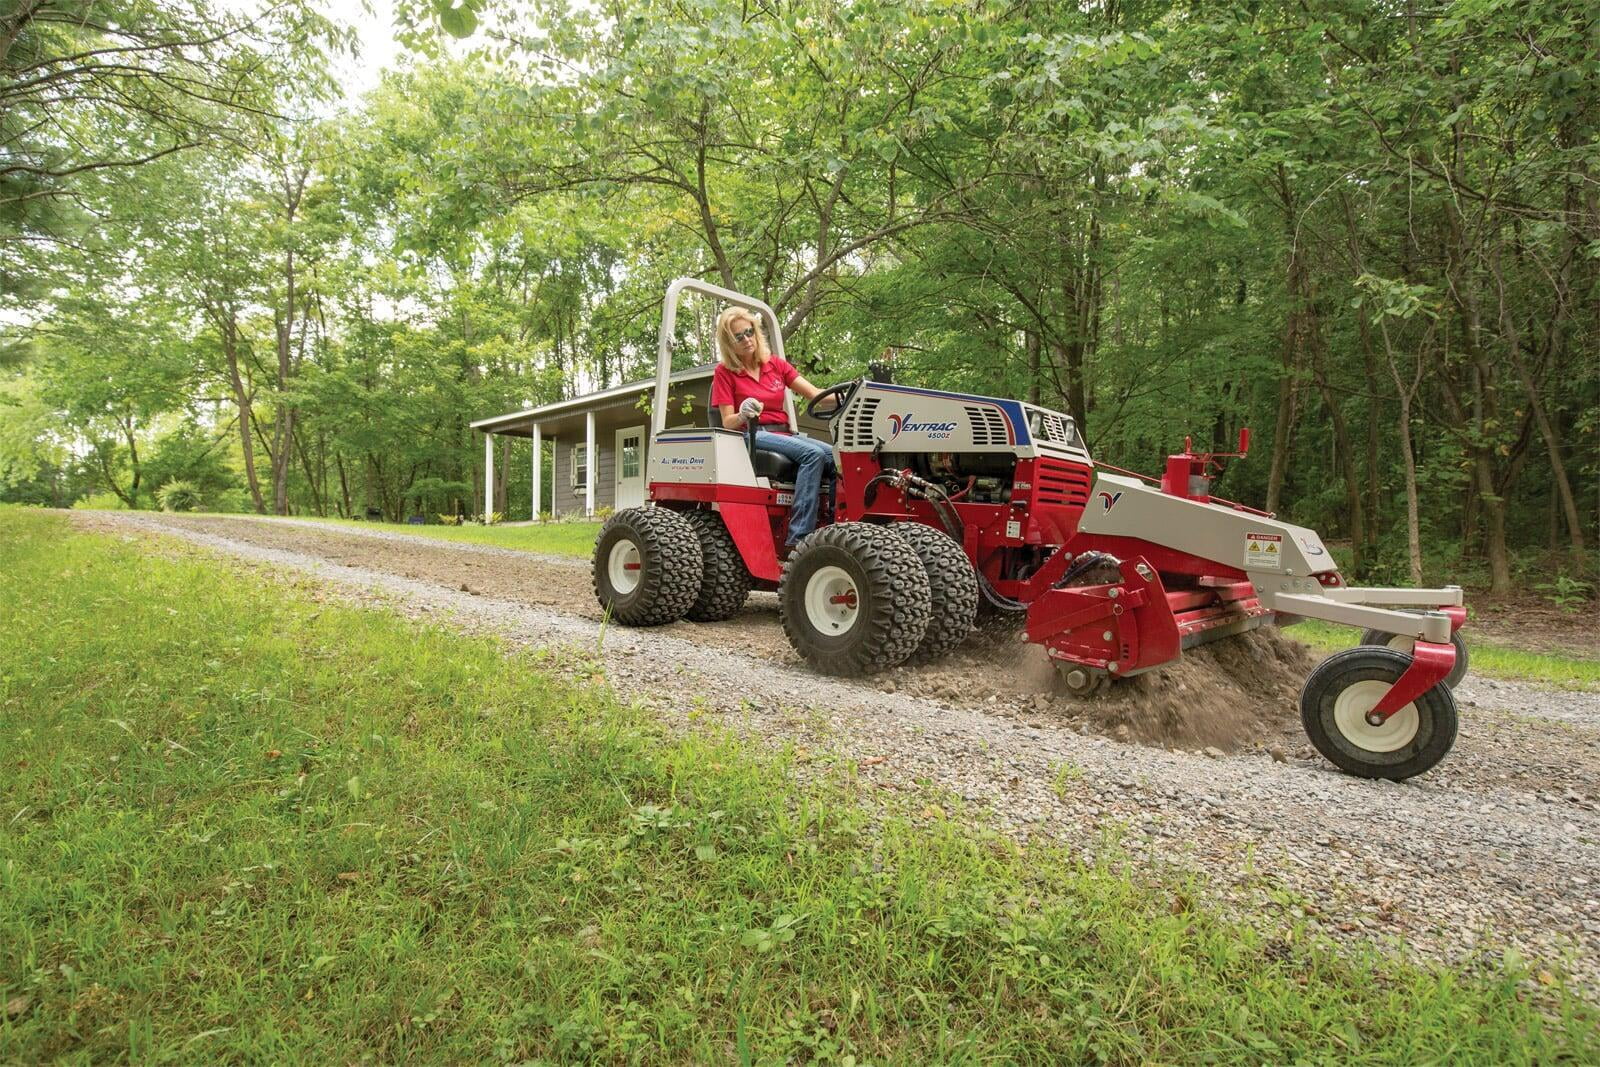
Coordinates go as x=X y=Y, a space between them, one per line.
x=611 y=426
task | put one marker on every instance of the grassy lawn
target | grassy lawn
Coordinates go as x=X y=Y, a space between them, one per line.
x=556 y=538
x=244 y=824
x=1498 y=661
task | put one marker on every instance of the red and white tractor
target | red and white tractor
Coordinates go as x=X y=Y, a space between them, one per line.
x=949 y=507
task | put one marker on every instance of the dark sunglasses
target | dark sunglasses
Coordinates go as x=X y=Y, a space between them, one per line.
x=745 y=335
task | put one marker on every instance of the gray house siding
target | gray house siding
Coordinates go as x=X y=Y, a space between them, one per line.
x=569 y=498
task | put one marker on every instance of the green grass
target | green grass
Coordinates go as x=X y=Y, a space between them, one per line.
x=1487 y=658
x=556 y=538
x=240 y=823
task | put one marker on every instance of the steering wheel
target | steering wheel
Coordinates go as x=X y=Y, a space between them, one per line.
x=841 y=393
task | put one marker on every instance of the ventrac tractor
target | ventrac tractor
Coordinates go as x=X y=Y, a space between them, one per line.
x=951 y=509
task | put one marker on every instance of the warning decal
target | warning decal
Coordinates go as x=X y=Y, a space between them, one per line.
x=1263 y=551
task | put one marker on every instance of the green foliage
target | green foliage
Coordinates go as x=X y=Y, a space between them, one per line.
x=100 y=502
x=195 y=458
x=179 y=495
x=1566 y=592
x=215 y=780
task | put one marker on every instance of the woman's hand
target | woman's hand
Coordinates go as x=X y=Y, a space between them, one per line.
x=751 y=409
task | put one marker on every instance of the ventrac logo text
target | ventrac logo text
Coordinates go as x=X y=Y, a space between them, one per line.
x=1108 y=501
x=907 y=423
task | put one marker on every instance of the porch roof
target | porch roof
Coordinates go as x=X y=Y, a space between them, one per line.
x=625 y=396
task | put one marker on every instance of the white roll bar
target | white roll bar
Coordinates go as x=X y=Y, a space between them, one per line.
x=669 y=319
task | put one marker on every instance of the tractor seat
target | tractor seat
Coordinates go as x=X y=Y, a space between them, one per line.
x=767 y=464
x=772 y=465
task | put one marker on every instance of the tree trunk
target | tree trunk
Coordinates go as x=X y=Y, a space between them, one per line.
x=344 y=485
x=1541 y=418
x=1294 y=335
x=1345 y=459
x=1494 y=514
x=1279 y=467
x=1413 y=518
x=1033 y=346
x=228 y=326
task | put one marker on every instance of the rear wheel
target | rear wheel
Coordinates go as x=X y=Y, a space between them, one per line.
x=1404 y=643
x=647 y=566
x=724 y=581
x=1345 y=687
x=952 y=586
x=854 y=599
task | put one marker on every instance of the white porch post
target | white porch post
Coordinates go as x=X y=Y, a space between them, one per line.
x=589 y=463
x=538 y=471
x=488 y=476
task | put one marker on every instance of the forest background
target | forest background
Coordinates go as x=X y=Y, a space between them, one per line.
x=1368 y=230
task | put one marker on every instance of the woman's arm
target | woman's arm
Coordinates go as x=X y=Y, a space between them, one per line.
x=730 y=417
x=804 y=388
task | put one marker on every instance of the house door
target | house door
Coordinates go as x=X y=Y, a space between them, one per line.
x=630 y=467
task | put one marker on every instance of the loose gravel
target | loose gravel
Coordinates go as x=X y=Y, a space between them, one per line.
x=1499 y=846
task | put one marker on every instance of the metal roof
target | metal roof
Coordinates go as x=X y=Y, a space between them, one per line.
x=599 y=399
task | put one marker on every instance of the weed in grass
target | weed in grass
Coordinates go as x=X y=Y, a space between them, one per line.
x=327 y=834
x=1068 y=775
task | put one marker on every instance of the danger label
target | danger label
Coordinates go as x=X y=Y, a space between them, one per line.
x=1263 y=551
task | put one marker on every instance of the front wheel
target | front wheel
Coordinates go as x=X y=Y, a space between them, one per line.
x=1403 y=643
x=854 y=599
x=1345 y=687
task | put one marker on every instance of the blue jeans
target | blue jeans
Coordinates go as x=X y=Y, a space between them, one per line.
x=815 y=459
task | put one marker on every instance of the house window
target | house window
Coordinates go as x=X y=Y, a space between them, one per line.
x=580 y=466
x=630 y=456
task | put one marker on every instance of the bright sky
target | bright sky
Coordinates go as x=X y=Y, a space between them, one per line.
x=373 y=20
x=374 y=24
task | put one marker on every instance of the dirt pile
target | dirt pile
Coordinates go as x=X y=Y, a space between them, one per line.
x=1238 y=693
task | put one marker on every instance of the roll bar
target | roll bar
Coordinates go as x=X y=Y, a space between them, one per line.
x=669 y=320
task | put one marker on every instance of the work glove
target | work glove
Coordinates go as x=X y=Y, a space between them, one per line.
x=751 y=409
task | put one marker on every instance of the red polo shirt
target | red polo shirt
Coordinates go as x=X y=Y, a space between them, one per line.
x=776 y=375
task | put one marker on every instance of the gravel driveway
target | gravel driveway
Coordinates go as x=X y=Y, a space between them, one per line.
x=1499 y=845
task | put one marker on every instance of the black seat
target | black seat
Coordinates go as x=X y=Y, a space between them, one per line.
x=771 y=465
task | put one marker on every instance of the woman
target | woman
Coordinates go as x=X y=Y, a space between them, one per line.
x=749 y=384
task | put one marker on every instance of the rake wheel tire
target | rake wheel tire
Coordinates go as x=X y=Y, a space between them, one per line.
x=952 y=584
x=1340 y=692
x=662 y=550
x=854 y=599
x=1457 y=672
x=724 y=580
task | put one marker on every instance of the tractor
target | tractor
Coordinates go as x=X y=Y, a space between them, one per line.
x=951 y=509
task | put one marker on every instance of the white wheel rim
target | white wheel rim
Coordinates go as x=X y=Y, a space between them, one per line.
x=832 y=602
x=623 y=567
x=1350 y=709
x=1402 y=643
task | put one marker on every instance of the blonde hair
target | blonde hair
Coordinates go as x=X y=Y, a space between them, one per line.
x=725 y=321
